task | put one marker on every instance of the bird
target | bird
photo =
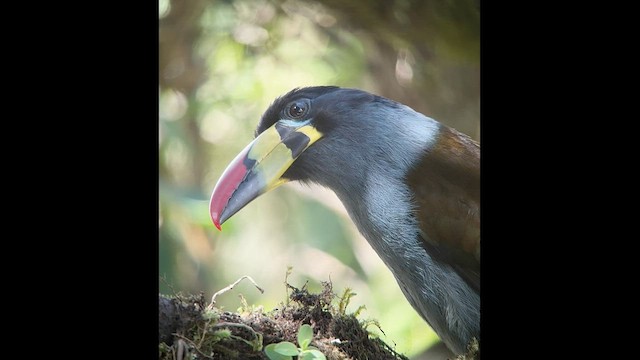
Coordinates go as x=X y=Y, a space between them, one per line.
x=410 y=184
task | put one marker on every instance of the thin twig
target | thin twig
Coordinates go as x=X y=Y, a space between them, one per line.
x=256 y=335
x=246 y=327
x=180 y=349
x=286 y=283
x=164 y=280
x=224 y=290
x=176 y=355
x=193 y=345
x=204 y=332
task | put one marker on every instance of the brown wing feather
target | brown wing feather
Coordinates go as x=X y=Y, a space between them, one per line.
x=446 y=184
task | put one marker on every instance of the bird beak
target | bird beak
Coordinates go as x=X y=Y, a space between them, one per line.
x=259 y=167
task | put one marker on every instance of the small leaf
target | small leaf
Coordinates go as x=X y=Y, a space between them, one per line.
x=305 y=335
x=304 y=344
x=312 y=355
x=305 y=355
x=273 y=355
x=286 y=348
x=317 y=354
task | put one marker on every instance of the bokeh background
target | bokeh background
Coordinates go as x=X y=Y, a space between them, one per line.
x=222 y=63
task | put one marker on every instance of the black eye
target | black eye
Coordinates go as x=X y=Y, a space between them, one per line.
x=297 y=109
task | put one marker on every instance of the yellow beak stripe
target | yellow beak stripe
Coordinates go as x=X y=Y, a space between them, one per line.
x=277 y=148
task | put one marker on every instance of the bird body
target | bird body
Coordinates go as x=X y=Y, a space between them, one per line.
x=409 y=183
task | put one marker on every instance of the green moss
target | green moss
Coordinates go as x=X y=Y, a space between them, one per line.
x=209 y=333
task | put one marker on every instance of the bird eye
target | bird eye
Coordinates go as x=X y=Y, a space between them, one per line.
x=297 y=109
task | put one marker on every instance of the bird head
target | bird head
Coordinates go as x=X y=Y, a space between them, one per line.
x=332 y=136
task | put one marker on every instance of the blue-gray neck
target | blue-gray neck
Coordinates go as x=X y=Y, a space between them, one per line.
x=434 y=289
x=379 y=203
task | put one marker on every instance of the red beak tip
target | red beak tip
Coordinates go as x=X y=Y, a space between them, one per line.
x=216 y=220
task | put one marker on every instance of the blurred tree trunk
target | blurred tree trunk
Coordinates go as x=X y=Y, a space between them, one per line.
x=423 y=53
x=182 y=70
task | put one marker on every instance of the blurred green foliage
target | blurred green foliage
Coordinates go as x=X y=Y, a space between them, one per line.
x=221 y=64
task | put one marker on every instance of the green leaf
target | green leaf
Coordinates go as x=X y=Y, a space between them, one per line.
x=304 y=345
x=286 y=348
x=269 y=350
x=318 y=354
x=312 y=355
x=305 y=334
